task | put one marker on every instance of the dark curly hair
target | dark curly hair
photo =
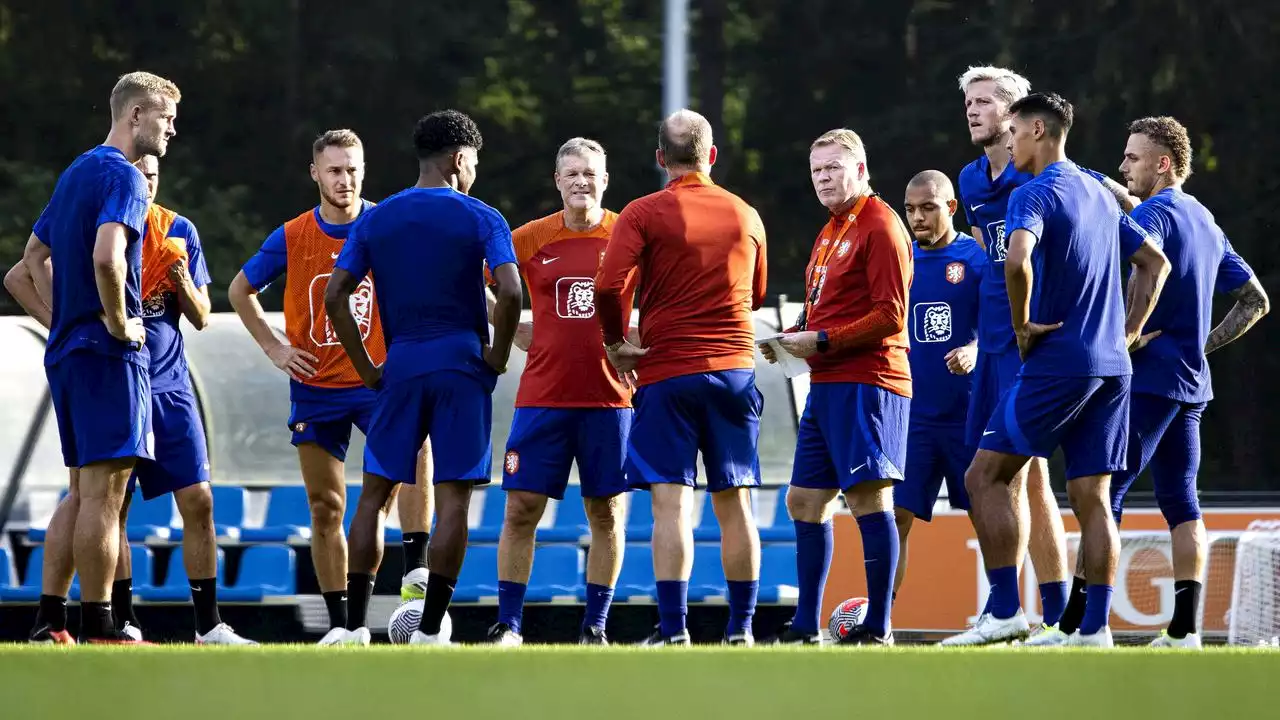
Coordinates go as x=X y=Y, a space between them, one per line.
x=443 y=130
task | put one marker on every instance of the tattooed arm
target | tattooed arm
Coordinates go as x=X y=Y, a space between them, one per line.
x=1251 y=304
x=1126 y=201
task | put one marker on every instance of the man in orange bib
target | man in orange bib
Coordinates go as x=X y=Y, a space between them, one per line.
x=327 y=395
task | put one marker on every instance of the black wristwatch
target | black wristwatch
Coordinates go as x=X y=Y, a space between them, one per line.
x=824 y=344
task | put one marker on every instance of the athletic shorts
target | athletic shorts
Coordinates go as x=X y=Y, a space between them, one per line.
x=993 y=375
x=545 y=441
x=181 y=454
x=325 y=417
x=715 y=413
x=103 y=407
x=1164 y=434
x=452 y=408
x=850 y=433
x=935 y=453
x=1088 y=417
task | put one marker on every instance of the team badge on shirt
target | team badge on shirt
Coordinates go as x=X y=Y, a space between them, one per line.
x=511 y=463
x=955 y=273
x=576 y=298
x=842 y=249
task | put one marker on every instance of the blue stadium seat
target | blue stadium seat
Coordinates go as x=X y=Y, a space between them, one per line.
x=143 y=560
x=175 y=587
x=7 y=576
x=491 y=514
x=265 y=571
x=708 y=528
x=479 y=577
x=707 y=581
x=778 y=583
x=635 y=582
x=640 y=516
x=570 y=524
x=288 y=517
x=228 y=511
x=558 y=574
x=29 y=590
x=782 y=529
x=151 y=521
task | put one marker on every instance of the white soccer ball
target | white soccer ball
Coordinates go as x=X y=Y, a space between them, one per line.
x=404 y=622
x=847 y=615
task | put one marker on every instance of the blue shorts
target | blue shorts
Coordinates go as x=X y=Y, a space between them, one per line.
x=1165 y=434
x=993 y=375
x=325 y=416
x=103 y=406
x=1088 y=417
x=934 y=453
x=545 y=441
x=454 y=409
x=181 y=455
x=717 y=413
x=850 y=433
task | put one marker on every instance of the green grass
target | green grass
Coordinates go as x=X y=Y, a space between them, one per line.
x=283 y=681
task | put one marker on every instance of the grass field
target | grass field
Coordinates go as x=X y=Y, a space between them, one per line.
x=189 y=683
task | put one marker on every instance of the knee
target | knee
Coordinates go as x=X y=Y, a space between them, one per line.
x=975 y=480
x=327 y=508
x=806 y=505
x=1178 y=507
x=523 y=513
x=195 y=505
x=903 y=519
x=604 y=514
x=670 y=503
x=1089 y=496
x=732 y=507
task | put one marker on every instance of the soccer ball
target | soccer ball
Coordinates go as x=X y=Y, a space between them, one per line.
x=846 y=617
x=404 y=622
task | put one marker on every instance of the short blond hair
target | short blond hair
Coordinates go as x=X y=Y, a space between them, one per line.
x=1010 y=86
x=845 y=138
x=579 y=146
x=340 y=138
x=141 y=86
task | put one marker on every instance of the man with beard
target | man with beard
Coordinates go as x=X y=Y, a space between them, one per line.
x=326 y=394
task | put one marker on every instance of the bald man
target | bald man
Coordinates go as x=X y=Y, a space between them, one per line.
x=943 y=330
x=700 y=250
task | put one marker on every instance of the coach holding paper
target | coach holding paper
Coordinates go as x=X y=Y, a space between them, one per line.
x=853 y=433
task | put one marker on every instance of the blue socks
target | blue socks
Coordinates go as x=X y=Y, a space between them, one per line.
x=511 y=603
x=1003 y=602
x=742 y=605
x=1053 y=598
x=599 y=597
x=673 y=606
x=814 y=544
x=880 y=556
x=1097 y=609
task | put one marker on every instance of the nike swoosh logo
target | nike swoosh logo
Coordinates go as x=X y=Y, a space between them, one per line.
x=851 y=472
x=548 y=261
x=988 y=432
x=974 y=208
x=334 y=255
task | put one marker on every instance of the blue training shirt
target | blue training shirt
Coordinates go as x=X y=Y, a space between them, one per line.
x=985 y=204
x=428 y=247
x=1082 y=236
x=99 y=187
x=1174 y=365
x=944 y=315
x=161 y=315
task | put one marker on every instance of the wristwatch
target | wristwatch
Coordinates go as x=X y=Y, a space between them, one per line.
x=824 y=343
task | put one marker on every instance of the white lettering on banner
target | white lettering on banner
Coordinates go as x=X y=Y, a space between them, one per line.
x=1121 y=603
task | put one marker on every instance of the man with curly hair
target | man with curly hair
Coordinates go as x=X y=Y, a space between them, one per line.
x=426 y=245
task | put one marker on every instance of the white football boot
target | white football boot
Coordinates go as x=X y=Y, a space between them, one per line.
x=413 y=586
x=360 y=637
x=335 y=636
x=222 y=634
x=1045 y=636
x=990 y=630
x=421 y=638
x=1100 y=639
x=1190 y=642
